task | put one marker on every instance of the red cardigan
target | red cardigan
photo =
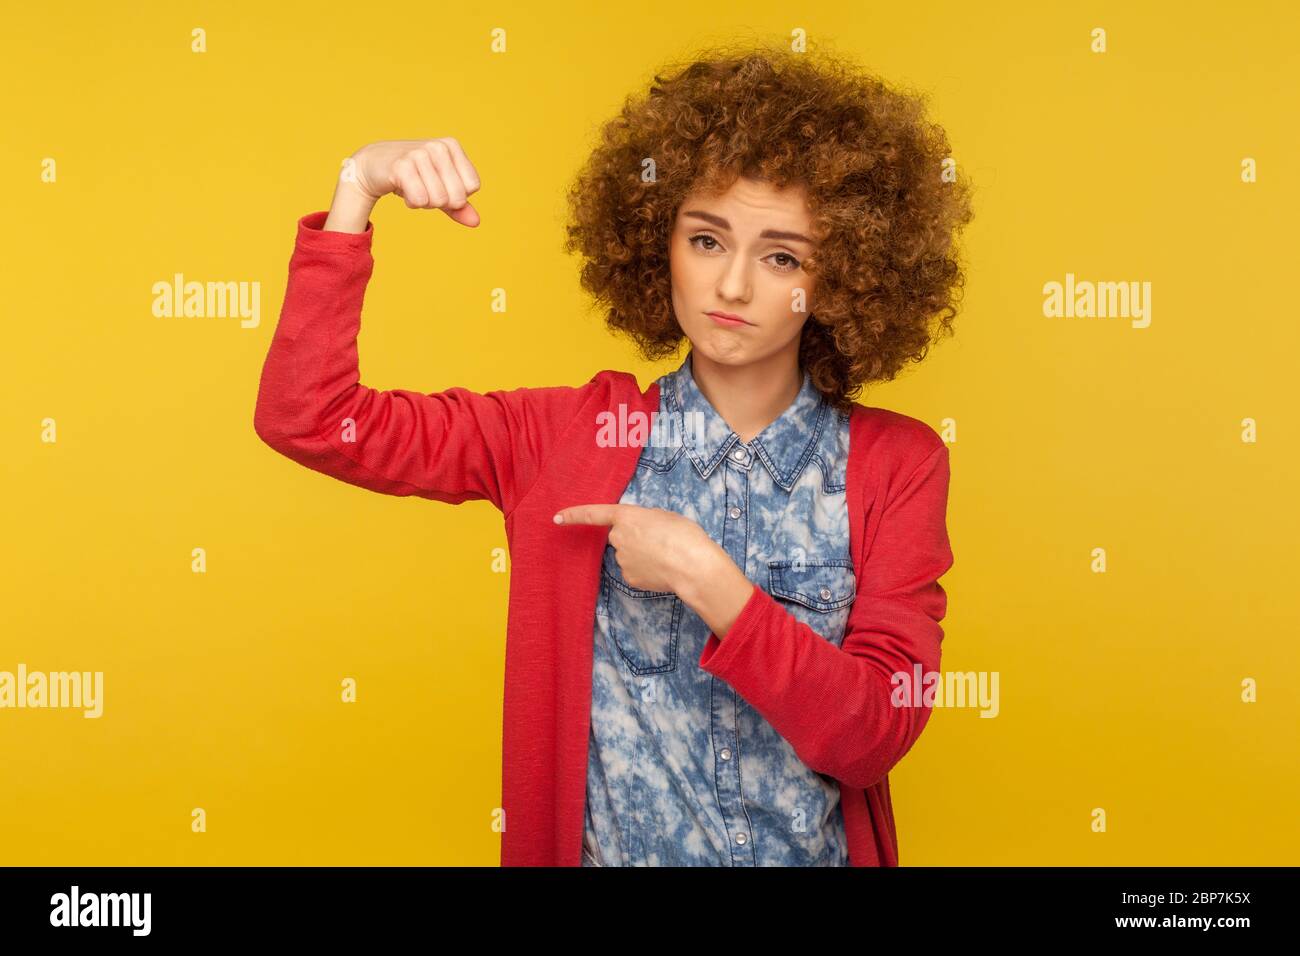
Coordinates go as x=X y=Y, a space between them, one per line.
x=532 y=451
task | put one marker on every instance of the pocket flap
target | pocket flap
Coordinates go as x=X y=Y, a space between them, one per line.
x=820 y=585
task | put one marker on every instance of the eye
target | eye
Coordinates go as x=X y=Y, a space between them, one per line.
x=786 y=263
x=703 y=236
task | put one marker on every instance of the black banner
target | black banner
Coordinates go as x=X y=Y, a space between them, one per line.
x=235 y=904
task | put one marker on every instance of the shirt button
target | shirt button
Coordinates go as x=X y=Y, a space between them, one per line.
x=725 y=753
x=824 y=594
x=738 y=454
x=741 y=838
x=734 y=512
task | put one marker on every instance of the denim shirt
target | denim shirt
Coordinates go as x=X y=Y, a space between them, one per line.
x=681 y=770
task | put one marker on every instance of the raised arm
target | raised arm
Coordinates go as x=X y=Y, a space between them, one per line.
x=452 y=445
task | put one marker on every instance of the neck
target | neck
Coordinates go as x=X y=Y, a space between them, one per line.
x=749 y=397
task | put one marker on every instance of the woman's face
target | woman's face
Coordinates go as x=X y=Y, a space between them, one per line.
x=742 y=253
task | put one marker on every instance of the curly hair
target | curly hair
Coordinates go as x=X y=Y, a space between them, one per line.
x=884 y=208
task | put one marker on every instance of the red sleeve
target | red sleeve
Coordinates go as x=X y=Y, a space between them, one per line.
x=833 y=704
x=450 y=446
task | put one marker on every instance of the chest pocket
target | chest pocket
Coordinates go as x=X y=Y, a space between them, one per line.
x=817 y=592
x=644 y=625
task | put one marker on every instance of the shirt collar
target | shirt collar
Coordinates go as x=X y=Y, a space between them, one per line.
x=784 y=446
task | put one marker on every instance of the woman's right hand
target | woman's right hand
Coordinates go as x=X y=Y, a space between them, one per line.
x=426 y=173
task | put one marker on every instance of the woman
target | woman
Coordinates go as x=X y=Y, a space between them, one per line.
x=716 y=580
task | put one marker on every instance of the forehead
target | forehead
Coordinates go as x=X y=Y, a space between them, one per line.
x=747 y=198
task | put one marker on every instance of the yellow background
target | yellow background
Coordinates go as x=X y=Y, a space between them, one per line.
x=1118 y=690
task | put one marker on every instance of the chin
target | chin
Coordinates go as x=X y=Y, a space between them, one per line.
x=723 y=347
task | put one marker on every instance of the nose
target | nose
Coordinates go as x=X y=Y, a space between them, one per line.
x=733 y=284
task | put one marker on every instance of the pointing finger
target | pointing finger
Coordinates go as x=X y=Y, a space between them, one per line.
x=588 y=514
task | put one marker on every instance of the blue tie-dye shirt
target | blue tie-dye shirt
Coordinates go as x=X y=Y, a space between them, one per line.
x=681 y=770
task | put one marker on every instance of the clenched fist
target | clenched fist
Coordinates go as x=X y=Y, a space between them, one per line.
x=426 y=173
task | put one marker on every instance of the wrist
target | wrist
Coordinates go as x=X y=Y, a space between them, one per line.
x=350 y=209
x=717 y=591
x=711 y=572
x=703 y=563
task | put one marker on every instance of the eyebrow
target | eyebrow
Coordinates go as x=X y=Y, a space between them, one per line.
x=765 y=234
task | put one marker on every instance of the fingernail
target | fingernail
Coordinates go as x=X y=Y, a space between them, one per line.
x=558 y=519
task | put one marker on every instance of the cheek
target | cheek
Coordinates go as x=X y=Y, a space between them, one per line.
x=683 y=292
x=685 y=270
x=691 y=283
x=803 y=301
x=790 y=301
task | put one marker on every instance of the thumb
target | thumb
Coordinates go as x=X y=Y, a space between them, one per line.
x=466 y=215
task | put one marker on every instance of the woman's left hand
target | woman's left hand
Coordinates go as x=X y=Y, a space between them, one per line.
x=658 y=550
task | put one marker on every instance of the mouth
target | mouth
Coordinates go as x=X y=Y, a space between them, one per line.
x=728 y=319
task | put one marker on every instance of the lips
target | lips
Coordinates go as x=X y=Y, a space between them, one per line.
x=727 y=318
